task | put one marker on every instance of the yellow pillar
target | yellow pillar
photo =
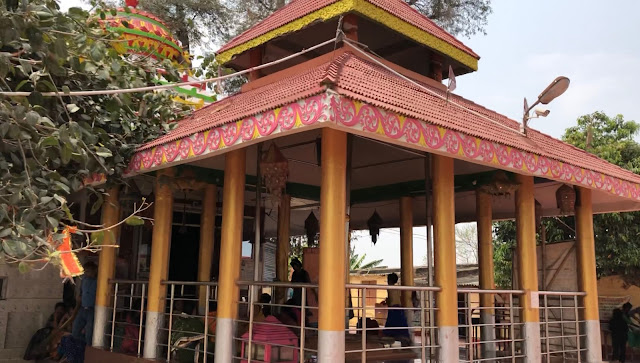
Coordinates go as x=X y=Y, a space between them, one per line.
x=485 y=261
x=406 y=248
x=106 y=266
x=282 y=251
x=160 y=248
x=587 y=280
x=528 y=265
x=230 y=252
x=331 y=294
x=445 y=257
x=207 y=233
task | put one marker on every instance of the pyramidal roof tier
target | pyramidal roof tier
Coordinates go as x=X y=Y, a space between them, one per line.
x=346 y=90
x=388 y=27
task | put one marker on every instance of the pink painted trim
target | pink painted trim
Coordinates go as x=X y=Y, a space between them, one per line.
x=361 y=118
x=367 y=119
x=307 y=112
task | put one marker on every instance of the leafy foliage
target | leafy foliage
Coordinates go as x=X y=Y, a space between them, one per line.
x=49 y=145
x=193 y=21
x=357 y=262
x=504 y=242
x=464 y=18
x=616 y=234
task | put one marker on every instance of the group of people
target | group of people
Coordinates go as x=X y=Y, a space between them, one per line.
x=396 y=326
x=68 y=330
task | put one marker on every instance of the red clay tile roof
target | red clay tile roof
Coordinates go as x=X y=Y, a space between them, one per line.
x=364 y=81
x=299 y=8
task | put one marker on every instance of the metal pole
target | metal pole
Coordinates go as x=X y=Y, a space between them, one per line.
x=206 y=326
x=512 y=329
x=469 y=312
x=546 y=326
x=423 y=335
x=543 y=252
x=429 y=223
x=131 y=297
x=144 y=286
x=256 y=265
x=347 y=251
x=562 y=329
x=113 y=315
x=576 y=312
x=303 y=316
x=363 y=319
x=173 y=292
x=252 y=289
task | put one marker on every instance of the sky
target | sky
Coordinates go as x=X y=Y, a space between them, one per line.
x=527 y=45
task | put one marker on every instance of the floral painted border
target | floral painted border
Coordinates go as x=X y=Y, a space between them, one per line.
x=365 y=119
x=368 y=119
x=306 y=112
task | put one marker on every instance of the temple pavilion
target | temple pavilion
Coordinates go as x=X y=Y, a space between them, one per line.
x=345 y=124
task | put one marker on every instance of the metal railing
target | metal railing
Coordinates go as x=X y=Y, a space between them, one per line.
x=268 y=328
x=410 y=334
x=490 y=333
x=125 y=332
x=188 y=333
x=560 y=326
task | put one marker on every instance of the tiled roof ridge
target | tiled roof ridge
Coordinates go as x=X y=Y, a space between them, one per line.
x=438 y=31
x=455 y=39
x=589 y=154
x=226 y=46
x=533 y=134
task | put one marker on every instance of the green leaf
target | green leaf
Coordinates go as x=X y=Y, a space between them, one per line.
x=54 y=222
x=24 y=267
x=73 y=108
x=5 y=232
x=66 y=90
x=97 y=238
x=25 y=229
x=49 y=141
x=60 y=48
x=66 y=153
x=26 y=67
x=134 y=221
x=104 y=152
x=62 y=186
x=97 y=53
x=98 y=203
x=32 y=118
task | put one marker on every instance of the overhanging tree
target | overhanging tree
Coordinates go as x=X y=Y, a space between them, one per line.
x=49 y=145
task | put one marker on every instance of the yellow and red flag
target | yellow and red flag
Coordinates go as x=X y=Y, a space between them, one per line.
x=69 y=264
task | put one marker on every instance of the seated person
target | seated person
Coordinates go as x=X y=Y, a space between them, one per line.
x=211 y=320
x=131 y=329
x=261 y=311
x=60 y=315
x=186 y=327
x=395 y=318
x=290 y=316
